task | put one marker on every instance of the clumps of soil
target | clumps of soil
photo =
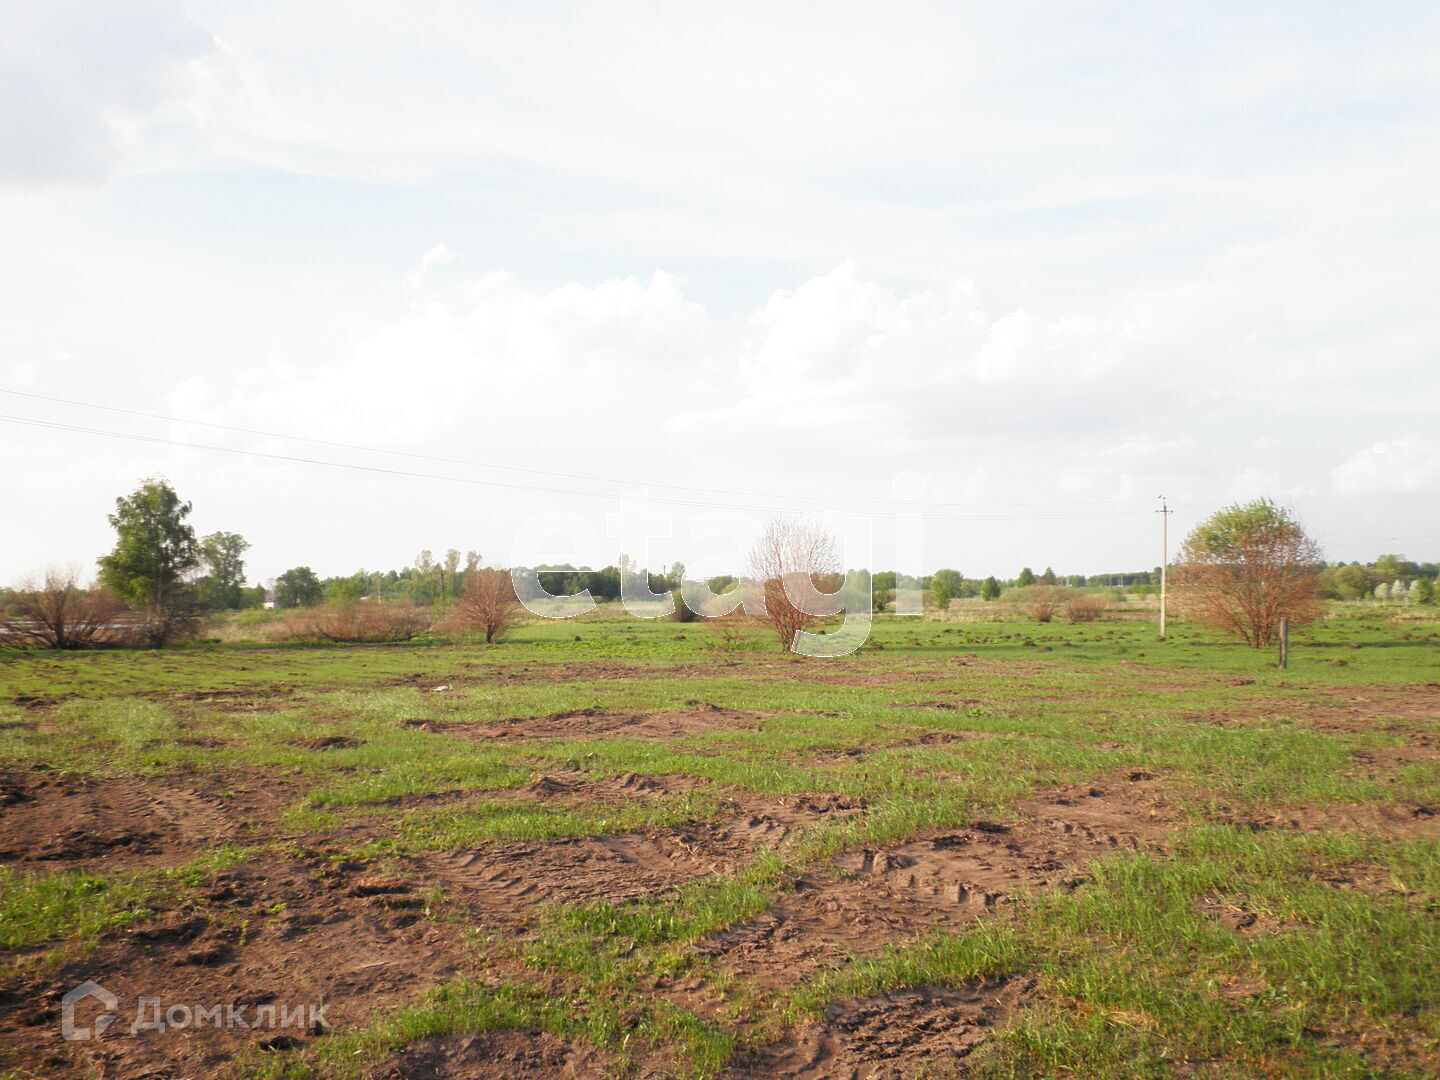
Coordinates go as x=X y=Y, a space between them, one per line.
x=1235 y=916
x=505 y=879
x=955 y=705
x=1408 y=821
x=876 y=895
x=1125 y=815
x=33 y=701
x=581 y=788
x=495 y=1055
x=273 y=932
x=236 y=700
x=594 y=724
x=891 y=1035
x=329 y=742
x=870 y=898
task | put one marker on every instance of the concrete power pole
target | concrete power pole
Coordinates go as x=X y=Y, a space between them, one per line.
x=1164 y=513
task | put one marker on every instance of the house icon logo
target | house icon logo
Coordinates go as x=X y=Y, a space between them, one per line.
x=87 y=989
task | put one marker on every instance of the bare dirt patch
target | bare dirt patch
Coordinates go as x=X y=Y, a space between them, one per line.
x=281 y=933
x=504 y=879
x=1412 y=711
x=496 y=1055
x=890 y=1035
x=50 y=817
x=875 y=896
x=562 y=787
x=1127 y=812
x=1407 y=821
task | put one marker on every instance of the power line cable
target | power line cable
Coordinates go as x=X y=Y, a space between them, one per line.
x=380 y=469
x=894 y=503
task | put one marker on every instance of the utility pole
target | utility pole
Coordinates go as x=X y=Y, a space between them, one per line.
x=1164 y=513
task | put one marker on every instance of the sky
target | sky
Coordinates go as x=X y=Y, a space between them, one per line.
x=973 y=285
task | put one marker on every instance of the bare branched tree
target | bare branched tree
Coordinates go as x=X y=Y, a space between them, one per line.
x=1248 y=567
x=795 y=564
x=52 y=611
x=488 y=603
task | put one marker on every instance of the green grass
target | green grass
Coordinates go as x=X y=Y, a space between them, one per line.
x=933 y=726
x=38 y=907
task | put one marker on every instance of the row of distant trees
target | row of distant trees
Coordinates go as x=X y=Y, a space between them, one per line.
x=1243 y=569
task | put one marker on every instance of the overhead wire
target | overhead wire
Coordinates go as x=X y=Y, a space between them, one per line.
x=414 y=474
x=586 y=477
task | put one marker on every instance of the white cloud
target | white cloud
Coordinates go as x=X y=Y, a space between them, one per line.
x=1094 y=263
x=1409 y=464
x=1253 y=483
x=1143 y=446
x=78 y=78
x=523 y=362
x=434 y=257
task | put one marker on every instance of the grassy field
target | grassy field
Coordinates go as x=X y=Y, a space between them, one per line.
x=613 y=848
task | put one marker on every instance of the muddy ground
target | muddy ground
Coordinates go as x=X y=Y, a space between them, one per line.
x=366 y=936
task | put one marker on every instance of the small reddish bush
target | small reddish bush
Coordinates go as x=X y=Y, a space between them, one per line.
x=1086 y=607
x=487 y=605
x=54 y=612
x=354 y=622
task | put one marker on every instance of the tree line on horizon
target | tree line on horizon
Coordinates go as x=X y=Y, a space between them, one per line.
x=161 y=579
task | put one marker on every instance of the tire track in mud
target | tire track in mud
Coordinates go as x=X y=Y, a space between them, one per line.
x=613 y=868
x=876 y=895
x=79 y=819
x=508 y=877
x=890 y=1035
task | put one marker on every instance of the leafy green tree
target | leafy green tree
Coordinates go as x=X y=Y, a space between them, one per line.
x=1354 y=582
x=252 y=597
x=298 y=587
x=604 y=584
x=346 y=589
x=882 y=588
x=154 y=557
x=222 y=552
x=1049 y=578
x=1395 y=568
x=451 y=586
x=1026 y=578
x=946 y=585
x=990 y=588
x=1423 y=591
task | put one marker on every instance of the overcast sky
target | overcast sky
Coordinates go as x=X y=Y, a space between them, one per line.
x=1013 y=269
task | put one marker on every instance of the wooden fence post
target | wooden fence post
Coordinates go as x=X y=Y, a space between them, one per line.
x=1284 y=643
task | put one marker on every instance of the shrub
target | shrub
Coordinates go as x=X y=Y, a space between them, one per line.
x=796 y=564
x=1085 y=607
x=733 y=632
x=488 y=604
x=682 y=612
x=1042 y=602
x=54 y=612
x=354 y=622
